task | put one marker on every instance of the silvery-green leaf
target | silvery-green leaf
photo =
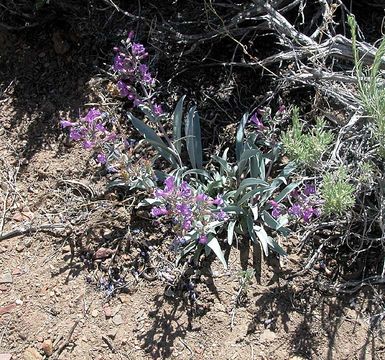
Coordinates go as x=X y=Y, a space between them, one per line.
x=230 y=232
x=263 y=238
x=177 y=123
x=240 y=135
x=213 y=244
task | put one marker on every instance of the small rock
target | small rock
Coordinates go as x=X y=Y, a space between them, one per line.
x=19 y=247
x=107 y=311
x=5 y=356
x=19 y=302
x=94 y=313
x=112 y=333
x=39 y=338
x=47 y=347
x=6 y=278
x=31 y=354
x=267 y=336
x=66 y=249
x=16 y=271
x=117 y=320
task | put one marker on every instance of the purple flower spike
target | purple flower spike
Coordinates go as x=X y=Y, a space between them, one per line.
x=101 y=158
x=203 y=239
x=158 y=211
x=123 y=89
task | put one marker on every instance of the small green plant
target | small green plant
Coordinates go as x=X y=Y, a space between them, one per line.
x=371 y=87
x=337 y=192
x=306 y=148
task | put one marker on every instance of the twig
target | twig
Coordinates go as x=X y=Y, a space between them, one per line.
x=68 y=340
x=33 y=229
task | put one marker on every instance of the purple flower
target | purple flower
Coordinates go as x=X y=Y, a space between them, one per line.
x=158 y=110
x=295 y=210
x=276 y=213
x=65 y=123
x=307 y=214
x=100 y=127
x=218 y=201
x=273 y=204
x=119 y=62
x=87 y=144
x=187 y=225
x=138 y=50
x=123 y=89
x=92 y=115
x=159 y=211
x=75 y=135
x=130 y=35
x=203 y=239
x=282 y=108
x=221 y=216
x=309 y=189
x=201 y=197
x=257 y=122
x=101 y=158
x=184 y=210
x=185 y=190
x=169 y=183
x=111 y=137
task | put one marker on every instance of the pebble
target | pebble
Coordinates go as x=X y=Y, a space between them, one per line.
x=31 y=354
x=47 y=347
x=19 y=302
x=5 y=356
x=94 y=313
x=19 y=247
x=117 y=319
x=112 y=333
x=6 y=278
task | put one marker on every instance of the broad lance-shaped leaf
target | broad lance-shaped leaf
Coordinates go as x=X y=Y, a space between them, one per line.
x=213 y=244
x=274 y=224
x=177 y=123
x=239 y=136
x=193 y=138
x=287 y=190
x=151 y=136
x=230 y=232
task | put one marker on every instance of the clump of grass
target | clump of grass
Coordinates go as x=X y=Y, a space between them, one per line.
x=371 y=87
x=306 y=148
x=337 y=192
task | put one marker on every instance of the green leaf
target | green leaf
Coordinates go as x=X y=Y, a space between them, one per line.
x=263 y=238
x=250 y=194
x=193 y=138
x=240 y=135
x=287 y=190
x=250 y=182
x=273 y=223
x=257 y=166
x=246 y=155
x=177 y=123
x=151 y=136
x=233 y=209
x=213 y=244
x=225 y=167
x=148 y=202
x=198 y=172
x=148 y=112
x=230 y=232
